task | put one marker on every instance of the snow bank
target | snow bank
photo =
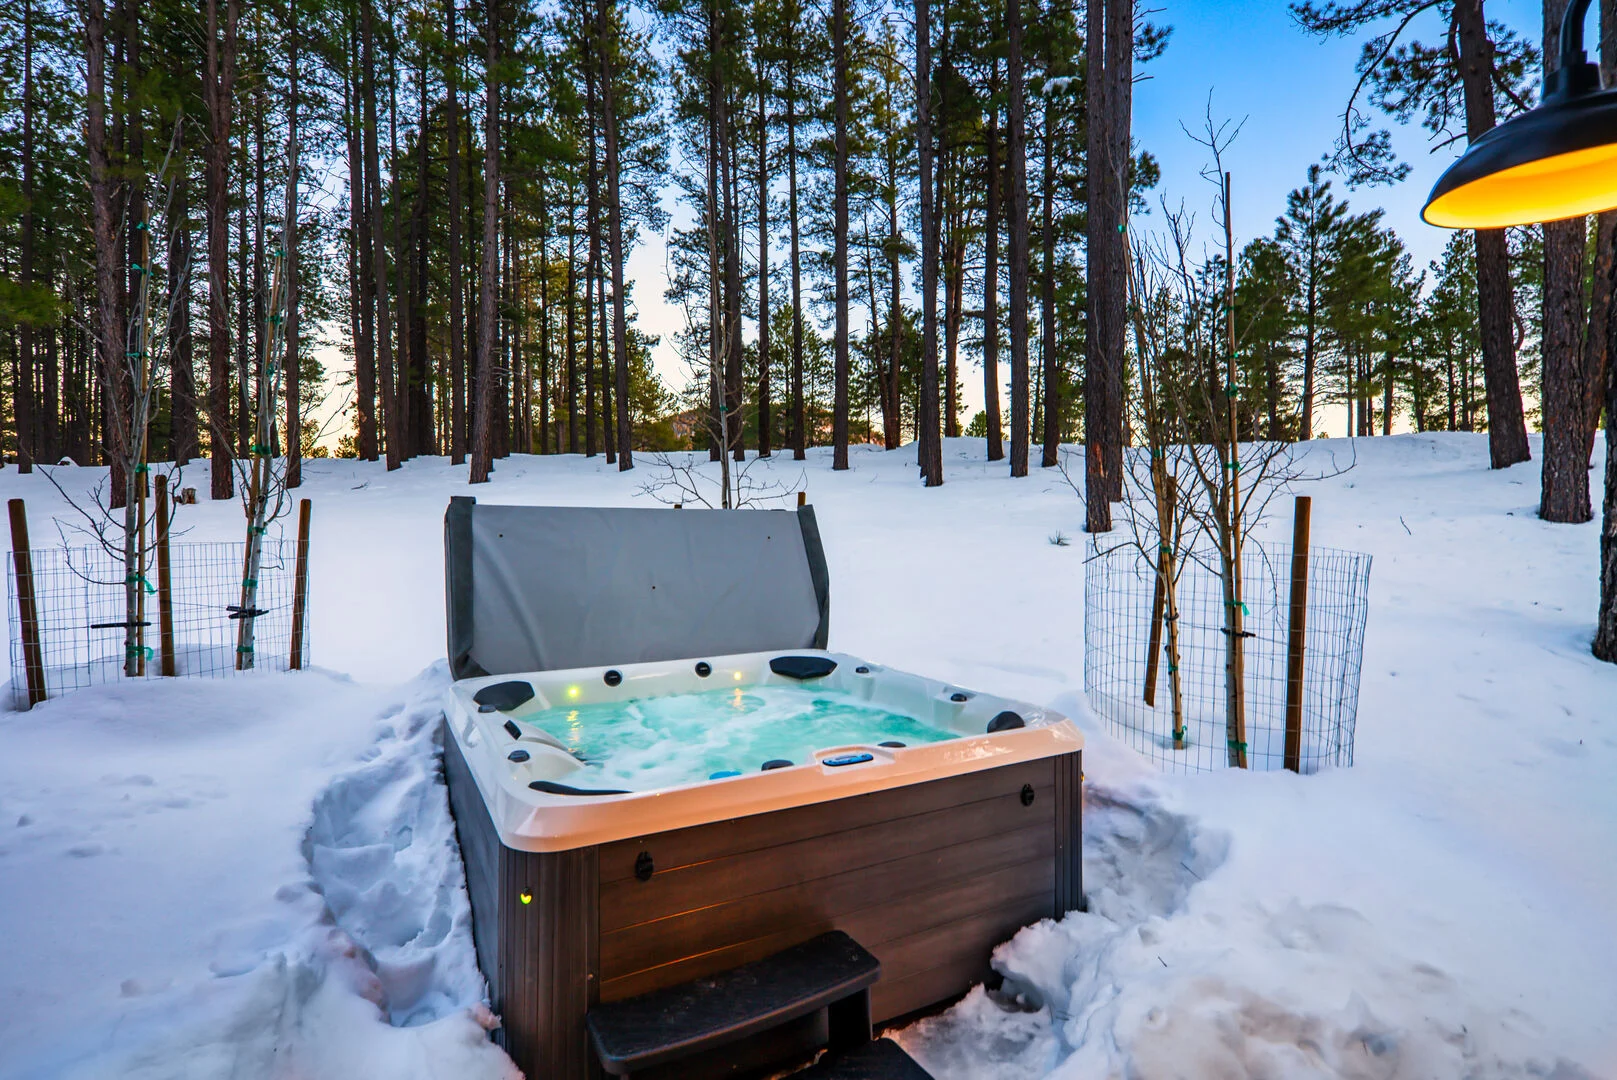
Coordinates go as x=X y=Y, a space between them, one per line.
x=256 y=877
x=242 y=878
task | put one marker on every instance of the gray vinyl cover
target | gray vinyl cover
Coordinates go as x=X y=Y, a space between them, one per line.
x=540 y=588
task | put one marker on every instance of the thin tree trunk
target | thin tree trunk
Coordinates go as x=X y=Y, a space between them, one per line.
x=928 y=440
x=457 y=287
x=1507 y=428
x=1567 y=425
x=544 y=317
x=294 y=393
x=765 y=433
x=27 y=447
x=996 y=432
x=379 y=276
x=423 y=424
x=839 y=83
x=219 y=86
x=735 y=437
x=401 y=261
x=1605 y=642
x=1019 y=241
x=717 y=425
x=360 y=276
x=482 y=427
x=1052 y=369
x=614 y=209
x=798 y=421
x=572 y=328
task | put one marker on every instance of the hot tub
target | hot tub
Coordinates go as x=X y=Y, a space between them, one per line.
x=632 y=826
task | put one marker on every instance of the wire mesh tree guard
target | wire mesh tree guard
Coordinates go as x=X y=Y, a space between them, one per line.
x=80 y=611
x=1127 y=663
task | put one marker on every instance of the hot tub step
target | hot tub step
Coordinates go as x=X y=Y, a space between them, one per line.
x=883 y=1059
x=831 y=972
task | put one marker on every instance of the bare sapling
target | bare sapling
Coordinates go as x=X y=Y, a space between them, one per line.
x=122 y=526
x=264 y=496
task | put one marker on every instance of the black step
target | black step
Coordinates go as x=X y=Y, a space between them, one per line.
x=883 y=1059
x=680 y=1021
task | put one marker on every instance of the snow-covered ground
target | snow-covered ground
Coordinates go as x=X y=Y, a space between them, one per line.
x=256 y=877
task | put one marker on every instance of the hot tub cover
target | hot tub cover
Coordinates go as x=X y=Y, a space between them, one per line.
x=541 y=588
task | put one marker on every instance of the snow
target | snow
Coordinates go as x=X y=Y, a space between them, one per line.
x=256 y=877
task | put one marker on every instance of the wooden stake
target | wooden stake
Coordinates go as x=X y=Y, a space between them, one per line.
x=165 y=591
x=1296 y=635
x=802 y=498
x=1158 y=601
x=27 y=610
x=300 y=587
x=140 y=571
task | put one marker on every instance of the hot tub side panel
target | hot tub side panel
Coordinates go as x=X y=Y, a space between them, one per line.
x=538 y=955
x=929 y=877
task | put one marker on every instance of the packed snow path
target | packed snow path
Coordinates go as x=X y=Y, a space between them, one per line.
x=257 y=878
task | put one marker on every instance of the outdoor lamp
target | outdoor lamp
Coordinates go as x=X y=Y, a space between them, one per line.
x=1556 y=161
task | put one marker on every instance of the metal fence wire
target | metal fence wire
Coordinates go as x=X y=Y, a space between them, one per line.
x=79 y=595
x=1119 y=605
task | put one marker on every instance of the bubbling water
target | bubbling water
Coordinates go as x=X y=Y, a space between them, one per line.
x=650 y=743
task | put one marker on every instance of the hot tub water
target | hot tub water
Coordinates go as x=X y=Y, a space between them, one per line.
x=657 y=742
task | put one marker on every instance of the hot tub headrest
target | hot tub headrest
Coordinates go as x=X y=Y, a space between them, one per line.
x=540 y=588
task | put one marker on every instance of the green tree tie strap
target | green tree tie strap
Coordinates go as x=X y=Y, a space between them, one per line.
x=139 y=579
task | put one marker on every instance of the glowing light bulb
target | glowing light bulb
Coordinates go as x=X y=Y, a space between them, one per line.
x=525 y=897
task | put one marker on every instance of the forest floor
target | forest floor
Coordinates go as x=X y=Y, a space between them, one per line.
x=256 y=877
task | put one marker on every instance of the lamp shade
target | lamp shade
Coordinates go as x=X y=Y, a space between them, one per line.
x=1556 y=161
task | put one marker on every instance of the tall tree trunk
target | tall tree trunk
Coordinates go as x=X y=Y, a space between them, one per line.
x=27 y=447
x=1310 y=338
x=245 y=305
x=457 y=286
x=717 y=424
x=608 y=375
x=482 y=426
x=1047 y=318
x=379 y=277
x=1507 y=428
x=361 y=297
x=954 y=294
x=799 y=434
x=422 y=422
x=544 y=317
x=1120 y=104
x=765 y=432
x=1597 y=335
x=401 y=260
x=294 y=390
x=572 y=328
x=249 y=397
x=1019 y=237
x=839 y=258
x=1605 y=642
x=219 y=88
x=614 y=209
x=592 y=264
x=996 y=432
x=1568 y=427
x=1109 y=48
x=181 y=398
x=929 y=444
x=731 y=188
x=892 y=407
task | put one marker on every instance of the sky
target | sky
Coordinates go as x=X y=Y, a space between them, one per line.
x=1285 y=88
